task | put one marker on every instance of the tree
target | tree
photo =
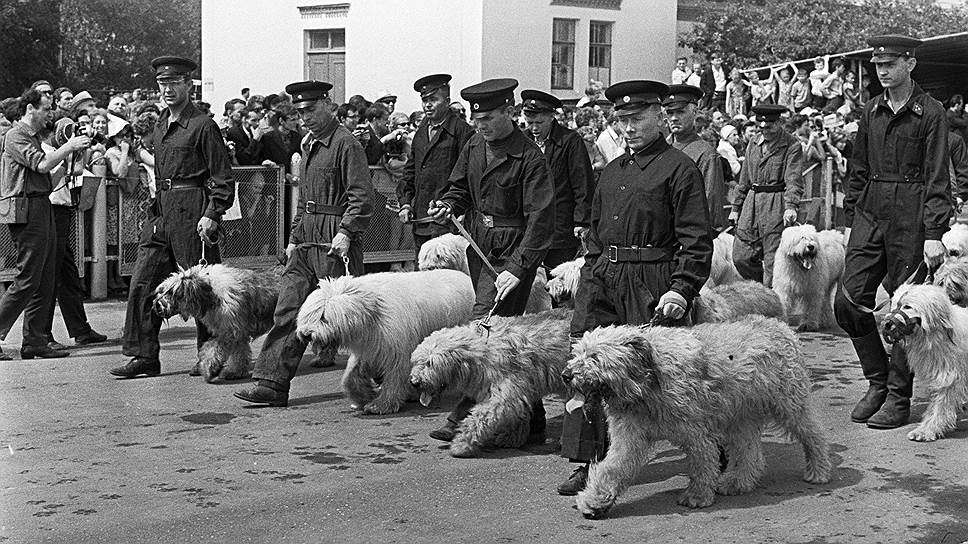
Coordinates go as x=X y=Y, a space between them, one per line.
x=26 y=52
x=774 y=31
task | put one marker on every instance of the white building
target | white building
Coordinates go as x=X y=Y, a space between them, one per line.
x=365 y=46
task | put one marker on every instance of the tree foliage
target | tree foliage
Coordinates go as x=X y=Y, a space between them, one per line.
x=772 y=31
x=93 y=44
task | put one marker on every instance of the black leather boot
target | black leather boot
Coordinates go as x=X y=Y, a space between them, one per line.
x=900 y=386
x=873 y=360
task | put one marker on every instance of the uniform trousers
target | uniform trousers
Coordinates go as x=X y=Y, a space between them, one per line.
x=32 y=290
x=758 y=233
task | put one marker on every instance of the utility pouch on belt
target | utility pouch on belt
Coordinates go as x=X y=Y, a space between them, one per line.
x=13 y=209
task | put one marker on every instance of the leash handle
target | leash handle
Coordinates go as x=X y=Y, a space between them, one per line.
x=202 y=261
x=929 y=279
x=477 y=249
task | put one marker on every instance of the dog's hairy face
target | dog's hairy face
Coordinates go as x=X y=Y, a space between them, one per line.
x=186 y=292
x=953 y=277
x=448 y=251
x=564 y=280
x=446 y=358
x=956 y=242
x=616 y=363
x=801 y=244
x=917 y=310
x=337 y=312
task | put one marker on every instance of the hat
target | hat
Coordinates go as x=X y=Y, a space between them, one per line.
x=172 y=67
x=727 y=131
x=808 y=111
x=891 y=46
x=832 y=120
x=386 y=96
x=533 y=101
x=489 y=95
x=115 y=125
x=428 y=85
x=80 y=98
x=768 y=112
x=851 y=127
x=636 y=94
x=680 y=95
x=304 y=92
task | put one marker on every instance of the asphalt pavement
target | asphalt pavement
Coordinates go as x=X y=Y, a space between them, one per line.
x=87 y=458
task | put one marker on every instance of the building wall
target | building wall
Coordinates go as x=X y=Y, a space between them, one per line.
x=517 y=40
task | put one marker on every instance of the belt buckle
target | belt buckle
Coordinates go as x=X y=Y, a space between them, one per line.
x=612 y=254
x=487 y=220
x=165 y=185
x=310 y=206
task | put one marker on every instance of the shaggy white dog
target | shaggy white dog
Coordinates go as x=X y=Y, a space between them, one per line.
x=506 y=370
x=380 y=319
x=806 y=271
x=953 y=276
x=564 y=281
x=956 y=241
x=722 y=270
x=934 y=334
x=700 y=387
x=236 y=306
x=450 y=251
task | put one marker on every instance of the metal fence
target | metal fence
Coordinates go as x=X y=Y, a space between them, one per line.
x=386 y=239
x=9 y=253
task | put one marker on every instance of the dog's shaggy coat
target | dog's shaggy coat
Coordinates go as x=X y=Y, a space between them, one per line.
x=806 y=271
x=956 y=241
x=731 y=301
x=937 y=352
x=380 y=319
x=235 y=304
x=699 y=387
x=722 y=270
x=953 y=277
x=506 y=370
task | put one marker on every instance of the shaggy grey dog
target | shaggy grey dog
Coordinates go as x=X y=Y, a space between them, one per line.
x=806 y=272
x=698 y=388
x=935 y=335
x=506 y=370
x=235 y=304
x=953 y=277
x=730 y=301
x=380 y=319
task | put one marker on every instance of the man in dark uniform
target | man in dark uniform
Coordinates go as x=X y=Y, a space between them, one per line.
x=195 y=187
x=570 y=169
x=433 y=154
x=897 y=207
x=680 y=109
x=335 y=204
x=649 y=248
x=767 y=195
x=25 y=172
x=502 y=187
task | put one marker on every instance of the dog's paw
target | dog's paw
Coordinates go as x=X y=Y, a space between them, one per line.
x=816 y=475
x=729 y=484
x=231 y=375
x=210 y=370
x=593 y=506
x=923 y=435
x=381 y=407
x=694 y=498
x=463 y=450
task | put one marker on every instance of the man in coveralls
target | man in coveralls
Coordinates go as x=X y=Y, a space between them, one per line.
x=649 y=248
x=570 y=169
x=195 y=187
x=897 y=207
x=767 y=196
x=335 y=205
x=502 y=187
x=680 y=109
x=433 y=154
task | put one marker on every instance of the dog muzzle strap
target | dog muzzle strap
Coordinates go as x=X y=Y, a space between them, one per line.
x=898 y=324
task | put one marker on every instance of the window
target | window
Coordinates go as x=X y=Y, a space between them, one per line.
x=600 y=52
x=327 y=40
x=563 y=54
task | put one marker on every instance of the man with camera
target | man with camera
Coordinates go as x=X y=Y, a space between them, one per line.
x=25 y=186
x=194 y=188
x=767 y=196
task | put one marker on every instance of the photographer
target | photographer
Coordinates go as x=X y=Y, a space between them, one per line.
x=349 y=117
x=25 y=171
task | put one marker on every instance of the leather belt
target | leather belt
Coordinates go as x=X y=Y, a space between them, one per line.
x=768 y=188
x=175 y=184
x=894 y=178
x=491 y=221
x=313 y=208
x=636 y=254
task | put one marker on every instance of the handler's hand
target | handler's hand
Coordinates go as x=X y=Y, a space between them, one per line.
x=789 y=217
x=405 y=214
x=438 y=210
x=505 y=283
x=581 y=232
x=934 y=253
x=340 y=245
x=672 y=305
x=206 y=230
x=733 y=218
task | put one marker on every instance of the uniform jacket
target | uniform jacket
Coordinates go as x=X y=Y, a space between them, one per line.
x=515 y=185
x=655 y=198
x=571 y=172
x=711 y=167
x=333 y=173
x=958 y=166
x=428 y=167
x=779 y=162
x=248 y=151
x=900 y=164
